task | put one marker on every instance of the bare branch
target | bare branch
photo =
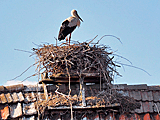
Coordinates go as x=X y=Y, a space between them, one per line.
x=110 y=36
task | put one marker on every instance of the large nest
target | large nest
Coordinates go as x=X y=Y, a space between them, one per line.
x=77 y=59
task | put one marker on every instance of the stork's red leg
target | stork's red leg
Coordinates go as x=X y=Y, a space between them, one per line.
x=66 y=39
x=69 y=38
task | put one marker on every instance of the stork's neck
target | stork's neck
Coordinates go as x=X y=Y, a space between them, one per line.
x=74 y=15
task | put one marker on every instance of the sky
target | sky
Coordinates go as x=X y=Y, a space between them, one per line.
x=24 y=24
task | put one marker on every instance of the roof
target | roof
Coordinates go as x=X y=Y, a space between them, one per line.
x=148 y=96
x=20 y=101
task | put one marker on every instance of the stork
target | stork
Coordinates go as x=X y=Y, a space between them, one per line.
x=69 y=25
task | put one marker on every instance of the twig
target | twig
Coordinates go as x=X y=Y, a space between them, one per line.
x=134 y=67
x=111 y=36
x=23 y=50
x=69 y=88
x=56 y=40
x=37 y=44
x=92 y=40
x=23 y=72
x=123 y=58
x=65 y=96
x=29 y=77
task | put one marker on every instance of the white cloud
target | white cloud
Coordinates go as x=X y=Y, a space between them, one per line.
x=15 y=82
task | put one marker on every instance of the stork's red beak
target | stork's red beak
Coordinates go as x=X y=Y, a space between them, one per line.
x=79 y=17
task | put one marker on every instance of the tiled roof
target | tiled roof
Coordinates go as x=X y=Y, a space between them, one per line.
x=148 y=96
x=19 y=101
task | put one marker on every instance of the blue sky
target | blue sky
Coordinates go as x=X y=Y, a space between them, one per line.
x=136 y=23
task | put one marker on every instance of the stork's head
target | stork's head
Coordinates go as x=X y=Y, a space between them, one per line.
x=74 y=13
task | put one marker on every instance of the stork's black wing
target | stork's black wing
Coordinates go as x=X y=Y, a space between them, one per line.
x=65 y=30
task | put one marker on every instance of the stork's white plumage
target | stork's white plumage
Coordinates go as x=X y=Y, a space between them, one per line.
x=69 y=25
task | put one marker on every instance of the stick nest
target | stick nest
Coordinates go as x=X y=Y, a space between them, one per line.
x=77 y=59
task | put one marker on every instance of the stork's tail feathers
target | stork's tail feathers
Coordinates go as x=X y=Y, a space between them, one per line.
x=62 y=34
x=61 y=37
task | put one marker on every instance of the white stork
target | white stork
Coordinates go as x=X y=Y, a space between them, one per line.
x=69 y=25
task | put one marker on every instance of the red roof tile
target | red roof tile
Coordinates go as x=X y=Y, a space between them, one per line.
x=147 y=117
x=156 y=117
x=4 y=110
